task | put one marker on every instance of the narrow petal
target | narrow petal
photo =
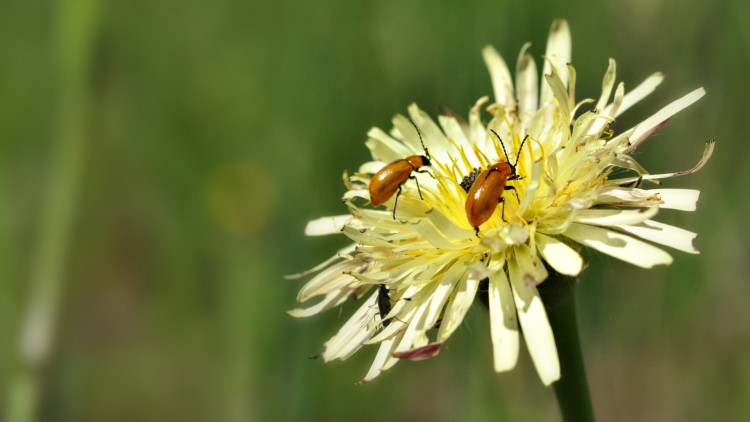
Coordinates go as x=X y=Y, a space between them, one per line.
x=614 y=217
x=370 y=167
x=664 y=234
x=561 y=257
x=453 y=130
x=628 y=162
x=618 y=245
x=441 y=294
x=353 y=333
x=559 y=48
x=607 y=85
x=477 y=132
x=404 y=130
x=405 y=311
x=630 y=197
x=457 y=307
x=501 y=80
x=358 y=193
x=503 y=322
x=339 y=254
x=414 y=336
x=649 y=126
x=571 y=85
x=436 y=238
x=383 y=360
x=332 y=278
x=432 y=136
x=614 y=108
x=384 y=353
x=327 y=225
x=559 y=92
x=678 y=199
x=331 y=300
x=533 y=267
x=383 y=147
x=638 y=93
x=532 y=187
x=527 y=83
x=707 y=152
x=447 y=226
x=536 y=329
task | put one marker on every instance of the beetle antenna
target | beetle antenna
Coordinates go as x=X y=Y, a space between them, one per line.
x=520 y=149
x=501 y=144
x=421 y=141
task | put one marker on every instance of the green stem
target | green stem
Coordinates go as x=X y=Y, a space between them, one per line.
x=572 y=391
x=74 y=36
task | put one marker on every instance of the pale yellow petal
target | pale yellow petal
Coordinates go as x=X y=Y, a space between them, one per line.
x=527 y=83
x=649 y=126
x=331 y=300
x=614 y=217
x=618 y=245
x=335 y=277
x=456 y=309
x=500 y=75
x=327 y=225
x=558 y=49
x=678 y=199
x=607 y=85
x=536 y=329
x=638 y=93
x=503 y=322
x=664 y=234
x=340 y=254
x=560 y=256
x=384 y=148
x=353 y=333
x=383 y=359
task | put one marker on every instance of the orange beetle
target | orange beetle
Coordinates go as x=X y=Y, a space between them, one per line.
x=488 y=187
x=387 y=182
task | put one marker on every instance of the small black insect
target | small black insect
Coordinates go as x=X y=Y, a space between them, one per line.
x=384 y=304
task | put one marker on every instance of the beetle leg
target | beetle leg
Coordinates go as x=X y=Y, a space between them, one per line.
x=514 y=191
x=426 y=171
x=502 y=213
x=395 y=204
x=418 y=190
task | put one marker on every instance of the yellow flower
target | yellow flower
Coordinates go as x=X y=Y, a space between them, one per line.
x=576 y=185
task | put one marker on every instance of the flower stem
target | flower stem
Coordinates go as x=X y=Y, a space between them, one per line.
x=74 y=36
x=572 y=391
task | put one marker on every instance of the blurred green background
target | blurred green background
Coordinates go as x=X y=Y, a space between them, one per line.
x=159 y=160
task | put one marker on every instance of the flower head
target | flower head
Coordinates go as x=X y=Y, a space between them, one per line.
x=569 y=181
